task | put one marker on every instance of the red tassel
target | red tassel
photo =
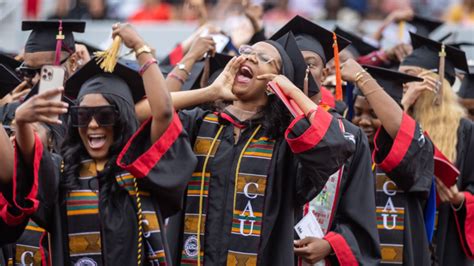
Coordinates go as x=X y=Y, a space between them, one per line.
x=337 y=67
x=59 y=42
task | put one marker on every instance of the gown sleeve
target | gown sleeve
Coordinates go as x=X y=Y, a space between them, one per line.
x=354 y=236
x=465 y=216
x=12 y=222
x=407 y=159
x=320 y=147
x=164 y=166
x=34 y=187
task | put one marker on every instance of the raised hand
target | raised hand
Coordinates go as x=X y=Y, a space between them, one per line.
x=349 y=70
x=399 y=52
x=129 y=35
x=16 y=94
x=225 y=81
x=200 y=47
x=287 y=87
x=40 y=108
x=415 y=89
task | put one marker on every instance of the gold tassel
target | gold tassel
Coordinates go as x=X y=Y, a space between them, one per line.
x=401 y=30
x=306 y=85
x=108 y=59
x=441 y=68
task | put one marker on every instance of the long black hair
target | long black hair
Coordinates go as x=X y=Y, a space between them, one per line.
x=73 y=150
x=276 y=117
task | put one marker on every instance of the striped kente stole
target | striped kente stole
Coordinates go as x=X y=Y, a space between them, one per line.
x=29 y=247
x=150 y=223
x=249 y=194
x=83 y=221
x=390 y=201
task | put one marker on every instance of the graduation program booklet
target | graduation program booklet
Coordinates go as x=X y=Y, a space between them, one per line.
x=308 y=226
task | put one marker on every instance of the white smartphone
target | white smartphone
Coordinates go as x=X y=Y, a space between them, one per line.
x=51 y=77
x=221 y=41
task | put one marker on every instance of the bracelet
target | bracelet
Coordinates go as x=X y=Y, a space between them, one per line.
x=311 y=112
x=360 y=75
x=460 y=206
x=364 y=82
x=147 y=65
x=180 y=79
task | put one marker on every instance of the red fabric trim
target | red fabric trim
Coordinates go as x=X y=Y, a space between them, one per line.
x=9 y=218
x=38 y=154
x=313 y=135
x=327 y=98
x=467 y=237
x=341 y=248
x=176 y=55
x=143 y=164
x=232 y=121
x=400 y=146
x=43 y=255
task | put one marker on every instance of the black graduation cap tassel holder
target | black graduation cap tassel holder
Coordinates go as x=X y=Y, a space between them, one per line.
x=441 y=68
x=59 y=42
x=337 y=66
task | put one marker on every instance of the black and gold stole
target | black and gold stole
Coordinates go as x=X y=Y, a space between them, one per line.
x=249 y=195
x=390 y=201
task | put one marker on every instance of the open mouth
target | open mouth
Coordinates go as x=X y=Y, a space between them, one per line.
x=96 y=141
x=245 y=74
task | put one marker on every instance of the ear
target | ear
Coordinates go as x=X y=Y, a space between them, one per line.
x=324 y=74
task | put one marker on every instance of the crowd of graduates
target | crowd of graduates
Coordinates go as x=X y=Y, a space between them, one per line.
x=308 y=146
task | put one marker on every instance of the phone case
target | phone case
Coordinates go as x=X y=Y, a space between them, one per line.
x=51 y=77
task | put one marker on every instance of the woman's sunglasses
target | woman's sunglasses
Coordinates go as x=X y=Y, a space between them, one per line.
x=25 y=71
x=105 y=115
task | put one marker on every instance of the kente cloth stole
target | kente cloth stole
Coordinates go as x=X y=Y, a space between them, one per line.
x=390 y=201
x=249 y=195
x=29 y=249
x=155 y=252
x=84 y=221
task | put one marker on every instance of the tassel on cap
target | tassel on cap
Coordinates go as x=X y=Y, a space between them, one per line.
x=59 y=42
x=337 y=66
x=306 y=81
x=108 y=59
x=441 y=68
x=401 y=30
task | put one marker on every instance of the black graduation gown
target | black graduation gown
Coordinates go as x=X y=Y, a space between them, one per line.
x=353 y=234
x=408 y=161
x=318 y=161
x=156 y=167
x=454 y=237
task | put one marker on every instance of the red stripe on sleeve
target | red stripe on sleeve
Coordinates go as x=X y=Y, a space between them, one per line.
x=341 y=248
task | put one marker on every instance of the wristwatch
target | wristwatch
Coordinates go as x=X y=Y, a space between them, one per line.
x=144 y=49
x=182 y=67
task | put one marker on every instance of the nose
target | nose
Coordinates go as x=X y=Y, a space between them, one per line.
x=365 y=121
x=252 y=58
x=93 y=123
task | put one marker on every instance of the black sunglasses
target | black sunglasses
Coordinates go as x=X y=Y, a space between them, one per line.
x=81 y=116
x=25 y=71
x=9 y=130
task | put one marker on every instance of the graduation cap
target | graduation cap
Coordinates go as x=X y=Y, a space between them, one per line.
x=312 y=37
x=293 y=61
x=424 y=26
x=358 y=45
x=43 y=36
x=8 y=80
x=466 y=91
x=123 y=82
x=459 y=45
x=426 y=54
x=9 y=61
x=390 y=80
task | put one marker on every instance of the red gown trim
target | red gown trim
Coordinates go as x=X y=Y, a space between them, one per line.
x=145 y=162
x=400 y=146
x=341 y=248
x=467 y=237
x=176 y=55
x=313 y=135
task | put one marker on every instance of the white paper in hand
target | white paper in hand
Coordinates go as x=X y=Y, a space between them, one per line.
x=309 y=227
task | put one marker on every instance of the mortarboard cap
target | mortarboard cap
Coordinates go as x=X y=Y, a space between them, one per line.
x=123 y=82
x=311 y=37
x=296 y=61
x=357 y=43
x=426 y=55
x=390 y=80
x=43 y=34
x=9 y=61
x=466 y=91
x=8 y=80
x=424 y=26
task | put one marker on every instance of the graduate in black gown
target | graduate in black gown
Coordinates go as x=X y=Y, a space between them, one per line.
x=403 y=180
x=466 y=93
x=352 y=235
x=243 y=195
x=106 y=200
x=436 y=108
